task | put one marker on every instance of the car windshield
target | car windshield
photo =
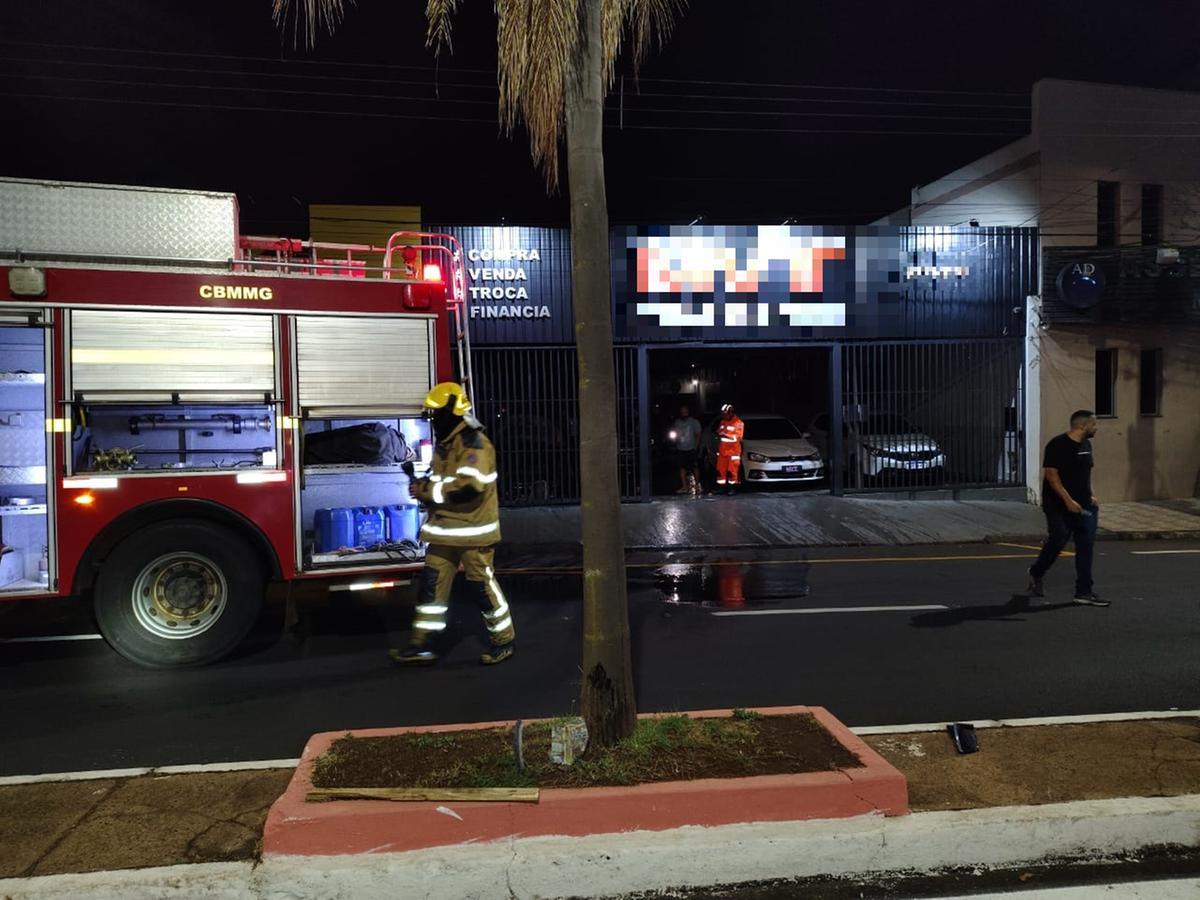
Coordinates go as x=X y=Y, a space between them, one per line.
x=886 y=424
x=771 y=430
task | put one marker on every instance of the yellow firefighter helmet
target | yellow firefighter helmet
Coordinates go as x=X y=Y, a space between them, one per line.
x=448 y=394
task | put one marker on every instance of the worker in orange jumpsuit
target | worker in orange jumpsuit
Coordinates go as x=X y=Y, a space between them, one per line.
x=730 y=430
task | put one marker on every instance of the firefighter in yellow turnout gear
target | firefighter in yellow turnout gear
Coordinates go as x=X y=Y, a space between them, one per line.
x=463 y=528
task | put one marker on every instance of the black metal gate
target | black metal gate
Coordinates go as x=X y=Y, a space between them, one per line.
x=528 y=399
x=930 y=414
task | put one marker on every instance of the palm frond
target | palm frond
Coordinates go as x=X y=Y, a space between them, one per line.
x=317 y=15
x=437 y=16
x=536 y=43
x=612 y=30
x=650 y=22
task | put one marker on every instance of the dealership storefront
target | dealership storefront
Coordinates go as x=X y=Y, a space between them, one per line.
x=900 y=348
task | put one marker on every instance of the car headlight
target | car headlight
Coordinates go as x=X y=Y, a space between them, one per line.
x=755 y=457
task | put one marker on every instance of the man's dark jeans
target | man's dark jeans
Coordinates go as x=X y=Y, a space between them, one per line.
x=1061 y=528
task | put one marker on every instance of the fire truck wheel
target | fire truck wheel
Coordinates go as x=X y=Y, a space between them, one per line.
x=181 y=593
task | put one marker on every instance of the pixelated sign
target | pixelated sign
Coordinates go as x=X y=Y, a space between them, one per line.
x=794 y=282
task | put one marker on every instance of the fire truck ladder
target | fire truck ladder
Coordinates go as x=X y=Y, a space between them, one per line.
x=447 y=246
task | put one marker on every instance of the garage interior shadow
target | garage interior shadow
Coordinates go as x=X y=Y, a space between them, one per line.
x=793 y=382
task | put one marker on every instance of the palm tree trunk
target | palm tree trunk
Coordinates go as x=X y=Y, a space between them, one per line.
x=607 y=700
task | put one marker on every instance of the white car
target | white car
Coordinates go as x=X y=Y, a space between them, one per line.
x=773 y=449
x=882 y=444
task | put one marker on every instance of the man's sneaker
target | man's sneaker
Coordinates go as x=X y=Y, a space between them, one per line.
x=1035 y=588
x=1091 y=599
x=413 y=656
x=498 y=653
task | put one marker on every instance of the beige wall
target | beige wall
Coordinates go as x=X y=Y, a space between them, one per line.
x=1137 y=457
x=347 y=224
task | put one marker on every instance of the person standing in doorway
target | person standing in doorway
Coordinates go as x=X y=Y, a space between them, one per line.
x=685 y=432
x=1072 y=511
x=730 y=431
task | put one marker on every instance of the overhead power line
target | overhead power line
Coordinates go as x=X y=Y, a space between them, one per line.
x=891 y=89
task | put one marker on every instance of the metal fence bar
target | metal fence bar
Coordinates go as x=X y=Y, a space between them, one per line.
x=528 y=399
x=930 y=414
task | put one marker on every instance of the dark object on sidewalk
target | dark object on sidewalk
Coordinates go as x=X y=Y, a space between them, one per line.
x=1091 y=599
x=519 y=744
x=370 y=444
x=963 y=735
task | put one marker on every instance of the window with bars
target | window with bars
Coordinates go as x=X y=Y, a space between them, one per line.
x=1150 y=383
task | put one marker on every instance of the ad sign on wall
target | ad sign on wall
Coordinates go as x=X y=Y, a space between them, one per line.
x=518 y=283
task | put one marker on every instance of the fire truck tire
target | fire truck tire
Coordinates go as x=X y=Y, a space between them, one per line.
x=179 y=593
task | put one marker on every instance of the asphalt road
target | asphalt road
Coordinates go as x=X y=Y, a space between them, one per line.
x=877 y=635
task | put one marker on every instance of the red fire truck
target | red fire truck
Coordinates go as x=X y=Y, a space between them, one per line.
x=162 y=381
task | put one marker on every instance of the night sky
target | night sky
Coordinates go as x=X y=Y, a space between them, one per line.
x=756 y=112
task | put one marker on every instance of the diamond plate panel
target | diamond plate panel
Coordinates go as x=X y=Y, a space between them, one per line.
x=22 y=475
x=109 y=220
x=25 y=446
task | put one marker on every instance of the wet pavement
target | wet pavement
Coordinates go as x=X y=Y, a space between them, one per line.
x=785 y=519
x=877 y=635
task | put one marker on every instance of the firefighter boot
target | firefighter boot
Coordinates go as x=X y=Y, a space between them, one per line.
x=497 y=653
x=415 y=655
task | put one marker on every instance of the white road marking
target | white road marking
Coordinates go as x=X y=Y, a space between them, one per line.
x=823 y=609
x=1160 y=552
x=1041 y=720
x=98 y=774
x=51 y=638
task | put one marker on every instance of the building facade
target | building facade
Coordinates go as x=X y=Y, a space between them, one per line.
x=1110 y=176
x=899 y=349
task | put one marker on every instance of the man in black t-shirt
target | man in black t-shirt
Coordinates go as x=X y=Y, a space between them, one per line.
x=1072 y=511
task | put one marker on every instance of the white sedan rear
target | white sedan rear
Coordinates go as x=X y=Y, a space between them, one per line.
x=774 y=449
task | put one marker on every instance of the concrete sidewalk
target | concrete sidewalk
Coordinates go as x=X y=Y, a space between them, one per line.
x=818 y=519
x=1038 y=792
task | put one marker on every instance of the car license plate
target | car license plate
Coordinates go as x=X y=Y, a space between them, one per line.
x=790 y=469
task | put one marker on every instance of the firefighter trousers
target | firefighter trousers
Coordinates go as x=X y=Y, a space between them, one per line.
x=441 y=568
x=729 y=467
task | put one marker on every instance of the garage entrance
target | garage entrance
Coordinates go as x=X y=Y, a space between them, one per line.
x=778 y=391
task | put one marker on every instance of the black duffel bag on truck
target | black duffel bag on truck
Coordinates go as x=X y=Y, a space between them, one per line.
x=372 y=444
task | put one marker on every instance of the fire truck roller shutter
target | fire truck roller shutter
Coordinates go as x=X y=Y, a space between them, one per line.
x=380 y=364
x=182 y=592
x=214 y=354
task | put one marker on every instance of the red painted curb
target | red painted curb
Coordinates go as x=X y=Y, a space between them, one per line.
x=296 y=827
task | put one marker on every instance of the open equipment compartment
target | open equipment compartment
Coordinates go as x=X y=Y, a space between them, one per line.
x=24 y=523
x=360 y=513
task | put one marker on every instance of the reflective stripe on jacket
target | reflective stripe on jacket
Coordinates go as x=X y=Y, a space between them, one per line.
x=729 y=435
x=466 y=459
